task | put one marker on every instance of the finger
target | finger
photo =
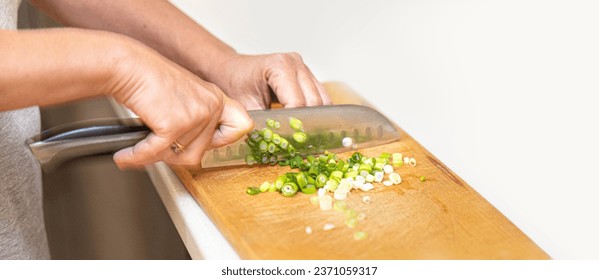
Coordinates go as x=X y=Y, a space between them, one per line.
x=191 y=153
x=287 y=90
x=234 y=123
x=324 y=95
x=309 y=89
x=144 y=152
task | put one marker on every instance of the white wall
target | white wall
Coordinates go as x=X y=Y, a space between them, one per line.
x=503 y=92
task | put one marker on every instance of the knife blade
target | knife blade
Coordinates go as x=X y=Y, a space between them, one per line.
x=326 y=126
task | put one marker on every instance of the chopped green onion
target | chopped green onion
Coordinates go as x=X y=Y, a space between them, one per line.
x=300 y=136
x=267 y=134
x=388 y=169
x=347 y=141
x=322 y=158
x=314 y=200
x=263 y=146
x=281 y=180
x=369 y=178
x=396 y=157
x=296 y=124
x=301 y=180
x=351 y=174
x=395 y=178
x=291 y=150
x=252 y=190
x=340 y=193
x=313 y=171
x=328 y=226
x=289 y=189
x=378 y=176
x=340 y=206
x=277 y=125
x=361 y=216
x=360 y=235
x=311 y=181
x=255 y=135
x=250 y=160
x=270 y=123
x=422 y=178
x=308 y=230
x=340 y=166
x=365 y=167
x=264 y=187
x=351 y=222
x=271 y=148
x=321 y=180
x=350 y=213
x=276 y=139
x=308 y=189
x=272 y=188
x=284 y=144
x=366 y=187
x=336 y=175
x=356 y=157
x=325 y=202
x=332 y=185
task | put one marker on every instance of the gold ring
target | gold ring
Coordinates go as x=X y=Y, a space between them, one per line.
x=177 y=147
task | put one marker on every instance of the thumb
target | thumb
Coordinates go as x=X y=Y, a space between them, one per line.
x=235 y=122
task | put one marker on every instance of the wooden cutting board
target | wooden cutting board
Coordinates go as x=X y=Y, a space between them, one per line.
x=440 y=218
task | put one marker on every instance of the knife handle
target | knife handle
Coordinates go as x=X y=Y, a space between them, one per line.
x=96 y=137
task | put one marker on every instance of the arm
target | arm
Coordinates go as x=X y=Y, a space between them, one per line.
x=53 y=66
x=163 y=27
x=50 y=67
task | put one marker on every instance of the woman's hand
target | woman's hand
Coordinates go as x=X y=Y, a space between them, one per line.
x=178 y=106
x=252 y=80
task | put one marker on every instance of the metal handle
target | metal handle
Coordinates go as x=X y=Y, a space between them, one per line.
x=58 y=145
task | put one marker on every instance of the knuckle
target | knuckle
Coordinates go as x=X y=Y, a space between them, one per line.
x=162 y=125
x=200 y=116
x=295 y=56
x=286 y=59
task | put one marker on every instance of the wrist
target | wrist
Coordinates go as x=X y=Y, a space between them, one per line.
x=123 y=55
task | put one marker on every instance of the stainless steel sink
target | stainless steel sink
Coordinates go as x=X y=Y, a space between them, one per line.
x=95 y=211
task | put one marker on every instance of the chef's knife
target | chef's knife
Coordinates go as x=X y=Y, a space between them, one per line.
x=326 y=126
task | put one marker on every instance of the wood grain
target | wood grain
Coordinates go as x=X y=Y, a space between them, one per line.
x=441 y=218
